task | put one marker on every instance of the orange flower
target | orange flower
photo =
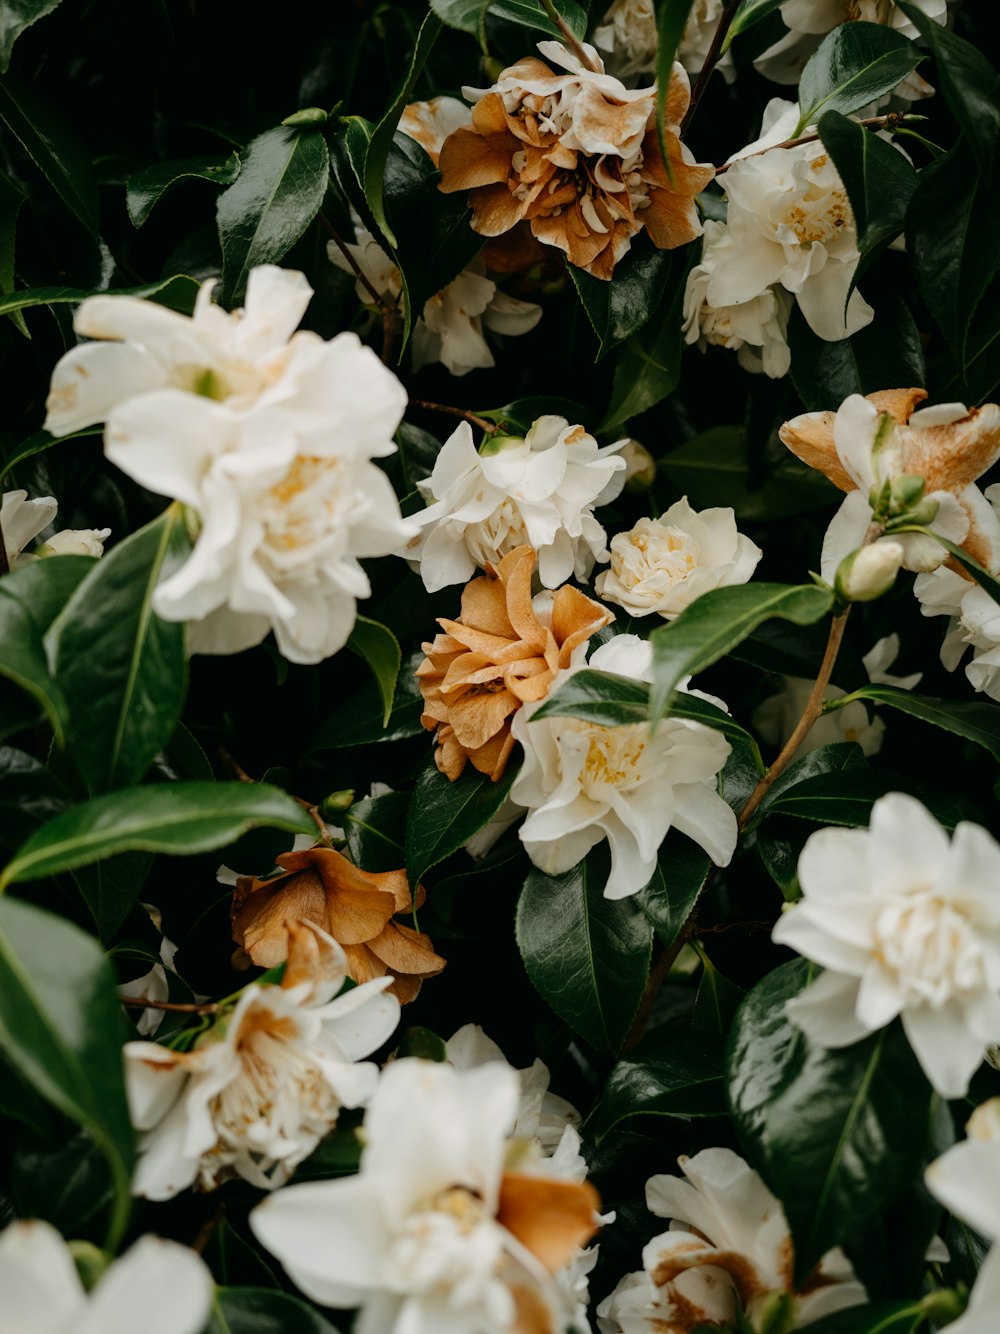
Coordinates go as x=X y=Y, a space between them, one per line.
x=357 y=908
x=577 y=156
x=500 y=653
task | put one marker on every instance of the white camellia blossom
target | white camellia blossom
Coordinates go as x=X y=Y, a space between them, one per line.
x=436 y=1234
x=266 y=436
x=156 y=1286
x=582 y=783
x=662 y=565
x=262 y=1087
x=966 y=1180
x=906 y=923
x=628 y=36
x=22 y=519
x=540 y=490
x=727 y=1251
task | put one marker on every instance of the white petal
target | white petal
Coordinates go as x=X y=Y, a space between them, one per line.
x=966 y=1179
x=92 y=379
x=825 y=1011
x=157 y=1287
x=42 y=1292
x=942 y=1043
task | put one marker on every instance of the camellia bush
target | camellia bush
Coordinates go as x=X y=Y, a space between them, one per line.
x=499 y=667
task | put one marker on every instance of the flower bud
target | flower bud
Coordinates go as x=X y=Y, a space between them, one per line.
x=76 y=542
x=640 y=466
x=772 y=1312
x=868 y=572
x=945 y=1305
x=984 y=1123
x=494 y=444
x=924 y=513
x=90 y=1261
x=307 y=116
x=337 y=801
x=905 y=491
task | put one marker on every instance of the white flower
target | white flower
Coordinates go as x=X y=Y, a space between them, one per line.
x=582 y=783
x=76 y=542
x=22 y=519
x=870 y=571
x=662 y=565
x=790 y=222
x=905 y=923
x=431 y=122
x=260 y=1089
x=434 y=1235
x=541 y=490
x=628 y=35
x=266 y=436
x=157 y=1286
x=727 y=1249
x=776 y=717
x=756 y=327
x=154 y=984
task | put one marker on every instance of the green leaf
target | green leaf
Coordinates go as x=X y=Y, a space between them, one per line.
x=670 y=24
x=673 y=1072
x=838 y=1134
x=61 y=1176
x=179 y=818
x=717 y=1000
x=847 y=798
x=749 y=12
x=587 y=956
x=61 y=1027
x=175 y=292
x=649 y=365
x=530 y=14
x=887 y=351
x=360 y=720
x=830 y=759
x=518 y=417
x=41 y=440
x=146 y=187
x=681 y=871
x=619 y=308
x=264 y=1311
x=30 y=600
x=879 y=1318
x=974 y=720
x=444 y=815
x=121 y=669
x=855 y=64
x=465 y=15
x=968 y=81
x=15 y=16
x=280 y=188
x=54 y=146
x=719 y=620
x=110 y=888
x=982 y=577
x=380 y=649
x=11 y=199
x=376 y=831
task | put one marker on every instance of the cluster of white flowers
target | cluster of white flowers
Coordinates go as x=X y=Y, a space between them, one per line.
x=628 y=37
x=266 y=436
x=22 y=519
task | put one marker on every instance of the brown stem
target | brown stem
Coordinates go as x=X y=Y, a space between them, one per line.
x=234 y=766
x=813 y=709
x=362 y=277
x=658 y=974
x=891 y=119
x=569 y=37
x=178 y=1007
x=711 y=60
x=481 y=422
x=207 y=1228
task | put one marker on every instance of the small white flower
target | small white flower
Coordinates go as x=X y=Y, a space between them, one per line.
x=262 y=1087
x=628 y=35
x=867 y=573
x=582 y=783
x=905 y=923
x=157 y=1286
x=76 y=542
x=21 y=520
x=540 y=490
x=727 y=1250
x=435 y=1234
x=662 y=565
x=266 y=436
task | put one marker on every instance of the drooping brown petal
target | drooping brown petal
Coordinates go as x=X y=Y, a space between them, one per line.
x=553 y=1219
x=899 y=403
x=810 y=438
x=950 y=457
x=312 y=958
x=262 y=908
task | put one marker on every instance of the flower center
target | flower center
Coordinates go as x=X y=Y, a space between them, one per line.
x=613 y=756
x=821 y=214
x=651 y=549
x=930 y=947
x=450 y=1243
x=304 y=507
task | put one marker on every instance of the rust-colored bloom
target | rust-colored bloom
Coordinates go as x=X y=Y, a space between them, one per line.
x=577 y=156
x=501 y=653
x=357 y=908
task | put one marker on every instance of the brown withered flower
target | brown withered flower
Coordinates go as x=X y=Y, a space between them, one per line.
x=357 y=908
x=500 y=653
x=577 y=156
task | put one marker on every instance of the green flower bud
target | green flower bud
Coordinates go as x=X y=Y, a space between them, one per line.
x=300 y=120
x=90 y=1262
x=905 y=492
x=493 y=444
x=337 y=801
x=772 y=1312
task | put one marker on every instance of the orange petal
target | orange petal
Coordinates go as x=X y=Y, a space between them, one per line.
x=484 y=605
x=407 y=951
x=553 y=1219
x=495 y=210
x=362 y=964
x=492 y=758
x=899 y=403
x=952 y=456
x=476 y=718
x=574 y=619
x=261 y=911
x=810 y=438
x=469 y=159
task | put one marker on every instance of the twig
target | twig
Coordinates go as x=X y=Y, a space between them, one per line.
x=813 y=709
x=233 y=765
x=179 y=1007
x=569 y=37
x=892 y=119
x=481 y=422
x=362 y=277
x=711 y=60
x=658 y=974
x=207 y=1228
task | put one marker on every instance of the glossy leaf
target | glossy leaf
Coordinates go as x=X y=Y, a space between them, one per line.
x=530 y=14
x=879 y=1318
x=719 y=620
x=834 y=758
x=120 y=668
x=855 y=64
x=111 y=887
x=359 y=719
x=673 y=1072
x=466 y=15
x=380 y=649
x=179 y=818
x=15 y=16
x=54 y=146
x=264 y=1311
x=176 y=291
x=376 y=831
x=887 y=351
x=147 y=186
x=444 y=815
x=682 y=869
x=280 y=188
x=975 y=720
x=671 y=20
x=847 y=798
x=61 y=1027
x=749 y=12
x=619 y=308
x=587 y=956
x=836 y=1134
x=649 y=365
x=30 y=794
x=11 y=199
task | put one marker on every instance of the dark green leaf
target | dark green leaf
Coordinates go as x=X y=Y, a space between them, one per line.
x=15 y=16
x=619 y=308
x=279 y=190
x=855 y=64
x=749 y=12
x=681 y=871
x=847 y=798
x=110 y=888
x=530 y=14
x=833 y=758
x=120 y=668
x=466 y=15
x=779 y=844
x=982 y=577
x=717 y=1000
x=54 y=146
x=180 y=818
x=879 y=1318
x=358 y=721
x=444 y=815
x=588 y=956
x=423 y=1043
x=376 y=831
x=887 y=351
x=147 y=186
x=974 y=720
x=676 y=1072
x=264 y=1311
x=517 y=418
x=61 y=1027
x=717 y=622
x=836 y=1134
x=11 y=199
x=670 y=24
x=62 y=1177
x=380 y=649
x=649 y=365
x=173 y=292
x=40 y=441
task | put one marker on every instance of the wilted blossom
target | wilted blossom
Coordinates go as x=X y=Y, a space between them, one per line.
x=576 y=155
x=628 y=37
x=259 y=1089
x=906 y=923
x=440 y=1232
x=157 y=1286
x=539 y=491
x=22 y=519
x=582 y=783
x=662 y=565
x=265 y=435
x=728 y=1253
x=503 y=651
